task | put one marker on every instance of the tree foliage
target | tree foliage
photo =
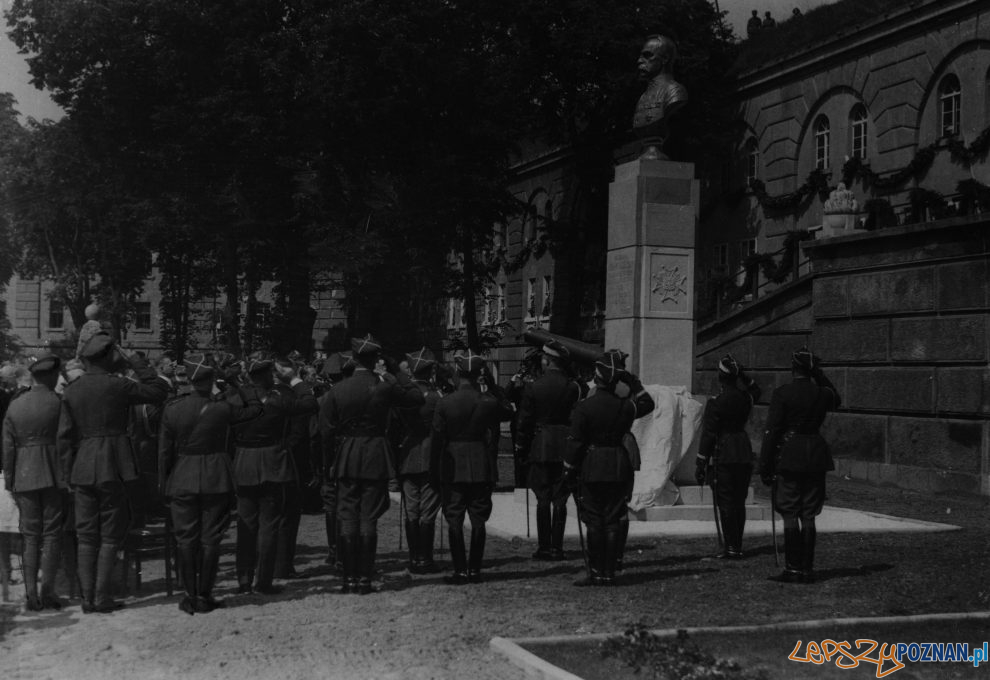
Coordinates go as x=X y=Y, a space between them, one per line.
x=285 y=139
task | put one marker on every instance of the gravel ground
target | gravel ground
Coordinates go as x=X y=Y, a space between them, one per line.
x=419 y=628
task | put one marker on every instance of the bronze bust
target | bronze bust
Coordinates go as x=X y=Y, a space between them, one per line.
x=663 y=95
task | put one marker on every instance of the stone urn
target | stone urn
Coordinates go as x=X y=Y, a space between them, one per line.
x=841 y=213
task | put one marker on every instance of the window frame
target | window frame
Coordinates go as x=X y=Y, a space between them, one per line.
x=859 y=126
x=823 y=142
x=142 y=309
x=950 y=105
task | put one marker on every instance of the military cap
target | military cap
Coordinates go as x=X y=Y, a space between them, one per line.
x=198 y=367
x=366 y=345
x=259 y=362
x=97 y=346
x=618 y=356
x=469 y=362
x=607 y=366
x=420 y=360
x=46 y=361
x=804 y=360
x=728 y=365
x=556 y=349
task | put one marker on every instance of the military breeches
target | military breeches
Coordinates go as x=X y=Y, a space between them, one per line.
x=42 y=512
x=200 y=519
x=421 y=497
x=359 y=505
x=259 y=516
x=603 y=504
x=547 y=482
x=732 y=486
x=800 y=495
x=471 y=498
x=102 y=514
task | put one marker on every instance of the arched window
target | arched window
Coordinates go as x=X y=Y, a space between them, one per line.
x=858 y=125
x=752 y=160
x=823 y=132
x=949 y=105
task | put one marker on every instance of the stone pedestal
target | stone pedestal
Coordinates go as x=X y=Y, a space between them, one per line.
x=649 y=308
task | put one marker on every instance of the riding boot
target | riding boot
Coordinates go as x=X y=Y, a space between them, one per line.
x=596 y=557
x=620 y=549
x=415 y=554
x=611 y=549
x=29 y=569
x=427 y=533
x=457 y=555
x=88 y=555
x=808 y=539
x=557 y=532
x=187 y=573
x=70 y=565
x=542 y=532
x=369 y=546
x=477 y=554
x=347 y=547
x=331 y=525
x=51 y=549
x=740 y=526
x=209 y=564
x=104 y=578
x=725 y=521
x=793 y=556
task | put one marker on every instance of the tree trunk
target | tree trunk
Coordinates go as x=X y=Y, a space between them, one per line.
x=467 y=289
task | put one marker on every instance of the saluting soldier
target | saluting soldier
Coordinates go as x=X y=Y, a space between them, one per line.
x=421 y=496
x=544 y=421
x=599 y=465
x=93 y=434
x=725 y=454
x=337 y=367
x=465 y=451
x=353 y=424
x=297 y=441
x=36 y=474
x=263 y=470
x=200 y=479
x=796 y=458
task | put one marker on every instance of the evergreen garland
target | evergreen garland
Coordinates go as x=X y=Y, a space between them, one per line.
x=967 y=155
x=817 y=182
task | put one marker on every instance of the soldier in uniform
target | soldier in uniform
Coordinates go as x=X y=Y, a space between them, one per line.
x=465 y=450
x=194 y=457
x=795 y=457
x=93 y=434
x=598 y=464
x=36 y=474
x=421 y=497
x=544 y=418
x=725 y=455
x=353 y=424
x=263 y=470
x=297 y=441
x=337 y=367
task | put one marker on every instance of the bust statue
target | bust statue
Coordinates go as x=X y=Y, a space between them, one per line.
x=663 y=95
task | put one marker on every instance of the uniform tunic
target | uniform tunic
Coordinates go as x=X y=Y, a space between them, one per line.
x=724 y=436
x=93 y=433
x=465 y=450
x=354 y=422
x=35 y=471
x=544 y=418
x=793 y=448
x=421 y=496
x=598 y=425
x=194 y=447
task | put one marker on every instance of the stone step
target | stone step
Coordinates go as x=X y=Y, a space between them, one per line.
x=701 y=495
x=696 y=513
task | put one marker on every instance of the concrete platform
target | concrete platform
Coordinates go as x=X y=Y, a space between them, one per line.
x=509 y=521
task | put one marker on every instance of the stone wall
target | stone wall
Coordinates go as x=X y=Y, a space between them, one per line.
x=901 y=318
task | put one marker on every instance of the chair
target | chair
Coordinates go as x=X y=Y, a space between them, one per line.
x=151 y=540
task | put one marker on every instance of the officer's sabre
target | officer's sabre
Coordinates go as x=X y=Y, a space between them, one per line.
x=718 y=521
x=402 y=513
x=773 y=520
x=526 y=489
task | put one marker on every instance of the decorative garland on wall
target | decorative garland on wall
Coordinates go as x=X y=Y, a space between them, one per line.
x=774 y=270
x=854 y=168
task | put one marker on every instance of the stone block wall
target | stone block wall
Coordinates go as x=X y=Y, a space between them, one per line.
x=901 y=318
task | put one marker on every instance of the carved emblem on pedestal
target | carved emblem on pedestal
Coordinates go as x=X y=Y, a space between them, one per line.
x=669 y=283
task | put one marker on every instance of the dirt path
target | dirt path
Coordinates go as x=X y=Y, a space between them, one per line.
x=419 y=628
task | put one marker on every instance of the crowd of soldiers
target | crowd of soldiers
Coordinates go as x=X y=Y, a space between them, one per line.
x=257 y=437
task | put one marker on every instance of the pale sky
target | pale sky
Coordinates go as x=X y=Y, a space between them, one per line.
x=740 y=10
